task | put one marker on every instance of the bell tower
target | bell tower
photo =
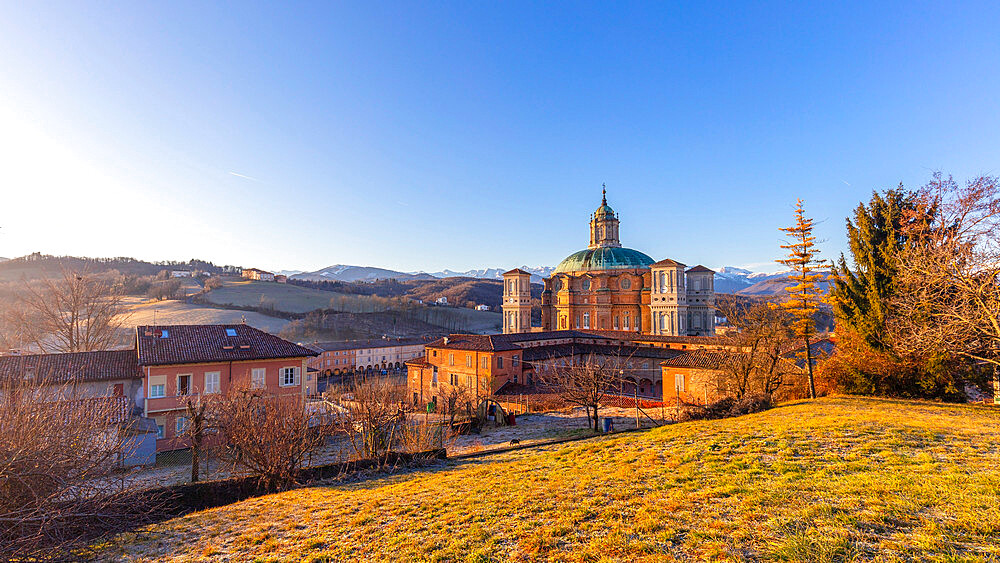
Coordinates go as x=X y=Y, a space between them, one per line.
x=604 y=225
x=516 y=301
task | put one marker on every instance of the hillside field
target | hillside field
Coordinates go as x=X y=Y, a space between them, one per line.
x=167 y=312
x=832 y=479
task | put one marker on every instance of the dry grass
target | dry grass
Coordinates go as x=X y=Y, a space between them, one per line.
x=833 y=479
x=144 y=312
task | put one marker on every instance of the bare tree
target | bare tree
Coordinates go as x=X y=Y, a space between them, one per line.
x=266 y=435
x=59 y=485
x=585 y=383
x=198 y=426
x=753 y=363
x=373 y=416
x=949 y=284
x=76 y=312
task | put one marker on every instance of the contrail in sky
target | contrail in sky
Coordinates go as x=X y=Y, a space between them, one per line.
x=252 y=179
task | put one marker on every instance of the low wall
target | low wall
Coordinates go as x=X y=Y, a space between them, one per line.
x=176 y=500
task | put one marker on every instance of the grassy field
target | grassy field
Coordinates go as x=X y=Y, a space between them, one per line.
x=834 y=479
x=283 y=297
x=297 y=299
x=143 y=312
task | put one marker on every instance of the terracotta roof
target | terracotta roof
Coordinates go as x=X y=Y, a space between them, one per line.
x=102 y=365
x=517 y=271
x=704 y=359
x=540 y=353
x=700 y=268
x=363 y=344
x=418 y=362
x=475 y=342
x=666 y=262
x=188 y=344
x=637 y=337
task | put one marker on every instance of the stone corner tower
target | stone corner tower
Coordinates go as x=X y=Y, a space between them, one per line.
x=516 y=301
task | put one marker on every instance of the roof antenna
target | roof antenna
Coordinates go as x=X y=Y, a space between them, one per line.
x=243 y=318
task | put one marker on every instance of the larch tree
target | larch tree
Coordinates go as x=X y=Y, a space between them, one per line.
x=805 y=295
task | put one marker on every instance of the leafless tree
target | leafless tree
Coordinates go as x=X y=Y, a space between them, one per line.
x=948 y=295
x=59 y=488
x=752 y=362
x=585 y=382
x=373 y=416
x=266 y=435
x=199 y=424
x=76 y=312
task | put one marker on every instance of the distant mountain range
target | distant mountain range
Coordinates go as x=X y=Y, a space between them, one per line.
x=730 y=279
x=348 y=273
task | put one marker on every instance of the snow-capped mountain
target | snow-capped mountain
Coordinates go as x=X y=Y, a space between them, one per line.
x=348 y=273
x=494 y=273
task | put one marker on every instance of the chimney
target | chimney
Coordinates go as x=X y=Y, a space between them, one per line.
x=445 y=339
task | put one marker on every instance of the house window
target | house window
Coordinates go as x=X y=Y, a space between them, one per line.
x=160 y=432
x=586 y=320
x=625 y=322
x=468 y=361
x=230 y=332
x=157 y=391
x=679 y=382
x=258 y=378
x=180 y=426
x=616 y=322
x=183 y=385
x=468 y=382
x=212 y=382
x=578 y=321
x=486 y=362
x=499 y=362
x=434 y=377
x=289 y=376
x=451 y=359
x=453 y=379
x=514 y=361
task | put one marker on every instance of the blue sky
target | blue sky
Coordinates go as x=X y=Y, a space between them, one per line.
x=459 y=135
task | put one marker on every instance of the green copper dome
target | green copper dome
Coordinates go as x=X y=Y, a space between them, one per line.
x=605 y=258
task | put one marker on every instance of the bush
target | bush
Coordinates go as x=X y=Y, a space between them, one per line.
x=726 y=407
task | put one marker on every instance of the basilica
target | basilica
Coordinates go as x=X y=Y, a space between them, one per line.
x=607 y=287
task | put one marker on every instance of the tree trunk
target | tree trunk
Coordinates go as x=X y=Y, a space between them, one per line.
x=809 y=365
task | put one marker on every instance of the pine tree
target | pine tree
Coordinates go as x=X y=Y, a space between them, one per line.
x=805 y=295
x=860 y=297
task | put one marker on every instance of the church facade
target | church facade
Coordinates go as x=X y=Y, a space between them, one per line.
x=607 y=287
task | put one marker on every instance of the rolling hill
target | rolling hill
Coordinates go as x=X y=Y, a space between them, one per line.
x=828 y=480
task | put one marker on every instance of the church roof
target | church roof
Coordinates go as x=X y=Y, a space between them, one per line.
x=516 y=271
x=604 y=258
x=700 y=268
x=667 y=262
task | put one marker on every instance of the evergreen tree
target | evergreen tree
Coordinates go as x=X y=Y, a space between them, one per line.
x=861 y=297
x=805 y=295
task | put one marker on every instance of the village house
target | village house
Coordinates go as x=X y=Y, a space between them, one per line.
x=365 y=356
x=180 y=362
x=484 y=365
x=258 y=275
x=109 y=377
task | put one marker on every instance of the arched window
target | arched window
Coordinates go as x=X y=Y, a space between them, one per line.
x=625 y=321
x=586 y=320
x=663 y=282
x=663 y=322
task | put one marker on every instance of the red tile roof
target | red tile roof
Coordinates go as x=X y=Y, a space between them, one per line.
x=665 y=263
x=700 y=268
x=101 y=365
x=703 y=359
x=516 y=271
x=188 y=344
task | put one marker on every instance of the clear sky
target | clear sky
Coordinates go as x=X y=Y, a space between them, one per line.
x=475 y=134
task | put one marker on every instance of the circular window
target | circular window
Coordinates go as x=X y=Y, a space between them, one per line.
x=556 y=284
x=626 y=283
x=586 y=284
